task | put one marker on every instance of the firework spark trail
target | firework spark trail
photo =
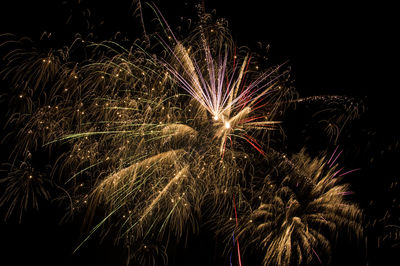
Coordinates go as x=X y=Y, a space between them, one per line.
x=337 y=172
x=315 y=253
x=173 y=181
x=237 y=224
x=350 y=171
x=233 y=243
x=333 y=154
x=333 y=162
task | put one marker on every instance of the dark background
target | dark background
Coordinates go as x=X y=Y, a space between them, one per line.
x=333 y=47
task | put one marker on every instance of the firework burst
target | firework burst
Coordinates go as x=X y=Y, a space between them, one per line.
x=157 y=143
x=297 y=216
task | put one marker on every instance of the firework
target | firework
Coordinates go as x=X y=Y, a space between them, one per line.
x=297 y=216
x=156 y=142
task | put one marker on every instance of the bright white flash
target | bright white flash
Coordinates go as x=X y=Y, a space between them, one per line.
x=227 y=125
x=215 y=117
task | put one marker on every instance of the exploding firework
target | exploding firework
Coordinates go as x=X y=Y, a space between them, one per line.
x=158 y=138
x=296 y=216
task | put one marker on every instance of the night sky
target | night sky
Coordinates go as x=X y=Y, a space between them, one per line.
x=332 y=47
